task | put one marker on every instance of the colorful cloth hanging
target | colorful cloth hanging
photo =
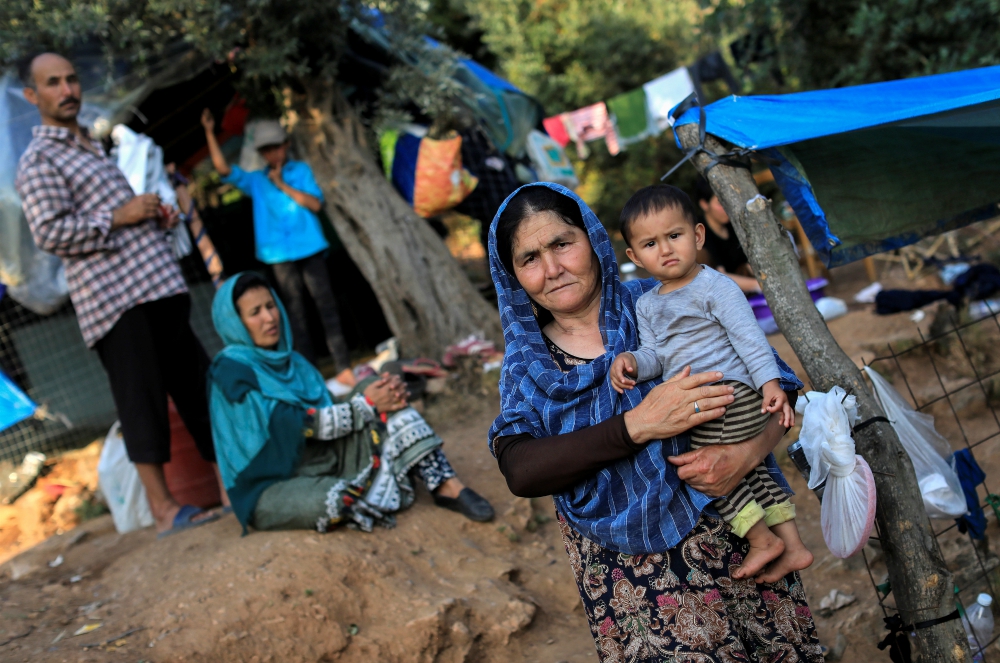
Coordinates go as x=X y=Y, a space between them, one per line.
x=556 y=130
x=631 y=118
x=665 y=92
x=587 y=124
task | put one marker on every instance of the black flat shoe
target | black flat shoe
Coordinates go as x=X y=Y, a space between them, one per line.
x=469 y=503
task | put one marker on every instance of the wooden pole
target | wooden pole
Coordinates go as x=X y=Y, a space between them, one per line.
x=921 y=583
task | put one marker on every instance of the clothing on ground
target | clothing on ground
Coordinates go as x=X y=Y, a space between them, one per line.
x=276 y=478
x=707 y=325
x=978 y=282
x=149 y=353
x=726 y=253
x=895 y=301
x=295 y=278
x=683 y=605
x=283 y=229
x=69 y=192
x=636 y=504
x=970 y=475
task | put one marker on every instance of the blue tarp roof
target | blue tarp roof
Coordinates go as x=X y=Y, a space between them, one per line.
x=874 y=167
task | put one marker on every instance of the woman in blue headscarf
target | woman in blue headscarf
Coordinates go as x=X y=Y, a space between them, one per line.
x=651 y=557
x=292 y=458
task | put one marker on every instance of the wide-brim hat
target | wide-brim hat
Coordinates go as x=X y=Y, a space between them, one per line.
x=268 y=132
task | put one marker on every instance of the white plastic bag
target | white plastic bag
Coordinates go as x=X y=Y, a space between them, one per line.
x=848 y=511
x=939 y=485
x=119 y=483
x=141 y=160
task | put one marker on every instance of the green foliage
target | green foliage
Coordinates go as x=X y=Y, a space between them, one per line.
x=274 y=46
x=820 y=44
x=569 y=53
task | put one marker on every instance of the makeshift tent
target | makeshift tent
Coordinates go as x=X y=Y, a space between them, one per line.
x=875 y=167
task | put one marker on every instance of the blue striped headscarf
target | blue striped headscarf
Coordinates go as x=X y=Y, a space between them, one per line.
x=637 y=505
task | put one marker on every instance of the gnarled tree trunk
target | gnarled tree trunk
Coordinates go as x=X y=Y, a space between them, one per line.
x=921 y=582
x=428 y=301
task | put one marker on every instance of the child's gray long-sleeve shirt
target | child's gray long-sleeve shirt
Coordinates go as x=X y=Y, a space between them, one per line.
x=707 y=324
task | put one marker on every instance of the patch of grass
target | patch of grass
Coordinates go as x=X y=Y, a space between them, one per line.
x=90 y=508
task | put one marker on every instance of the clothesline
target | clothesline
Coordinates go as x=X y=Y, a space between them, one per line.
x=624 y=119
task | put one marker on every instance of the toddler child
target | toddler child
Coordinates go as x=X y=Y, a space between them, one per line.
x=700 y=318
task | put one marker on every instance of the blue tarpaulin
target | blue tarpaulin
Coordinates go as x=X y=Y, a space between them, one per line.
x=15 y=406
x=875 y=167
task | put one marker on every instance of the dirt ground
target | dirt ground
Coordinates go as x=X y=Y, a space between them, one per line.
x=435 y=588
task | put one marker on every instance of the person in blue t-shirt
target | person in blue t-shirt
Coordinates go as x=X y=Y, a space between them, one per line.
x=287 y=233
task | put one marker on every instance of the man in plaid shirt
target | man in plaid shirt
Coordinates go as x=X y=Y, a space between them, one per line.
x=126 y=286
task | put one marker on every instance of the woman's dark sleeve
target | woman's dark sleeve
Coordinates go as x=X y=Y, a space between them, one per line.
x=535 y=467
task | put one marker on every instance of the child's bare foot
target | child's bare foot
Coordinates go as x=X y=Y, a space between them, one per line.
x=795 y=557
x=764 y=547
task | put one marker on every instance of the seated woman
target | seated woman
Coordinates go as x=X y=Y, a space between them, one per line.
x=292 y=458
x=722 y=250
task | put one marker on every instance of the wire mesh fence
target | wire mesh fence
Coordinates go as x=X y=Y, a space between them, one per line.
x=953 y=374
x=47 y=358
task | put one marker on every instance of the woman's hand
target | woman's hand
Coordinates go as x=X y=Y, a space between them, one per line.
x=670 y=408
x=715 y=470
x=387 y=394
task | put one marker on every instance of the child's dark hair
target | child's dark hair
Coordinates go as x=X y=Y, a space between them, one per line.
x=650 y=200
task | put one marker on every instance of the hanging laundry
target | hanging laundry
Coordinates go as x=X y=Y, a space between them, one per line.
x=549 y=160
x=588 y=124
x=582 y=151
x=631 y=118
x=592 y=123
x=665 y=92
x=556 y=130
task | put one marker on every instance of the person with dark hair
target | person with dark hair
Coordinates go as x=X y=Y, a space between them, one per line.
x=700 y=319
x=287 y=234
x=615 y=463
x=291 y=457
x=127 y=290
x=722 y=250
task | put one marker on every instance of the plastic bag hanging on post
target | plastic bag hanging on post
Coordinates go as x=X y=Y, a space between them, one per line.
x=939 y=484
x=847 y=513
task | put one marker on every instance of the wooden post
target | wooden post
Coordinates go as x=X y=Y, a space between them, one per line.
x=921 y=583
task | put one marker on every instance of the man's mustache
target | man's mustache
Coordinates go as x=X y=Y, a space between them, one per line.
x=69 y=100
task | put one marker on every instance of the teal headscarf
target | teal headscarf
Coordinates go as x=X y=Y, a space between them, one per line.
x=240 y=427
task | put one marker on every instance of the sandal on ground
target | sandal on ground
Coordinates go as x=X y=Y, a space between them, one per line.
x=469 y=503
x=185 y=519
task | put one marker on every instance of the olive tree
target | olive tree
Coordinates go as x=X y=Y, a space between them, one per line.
x=286 y=56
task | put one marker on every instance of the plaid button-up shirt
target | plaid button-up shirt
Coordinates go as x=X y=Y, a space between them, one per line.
x=69 y=193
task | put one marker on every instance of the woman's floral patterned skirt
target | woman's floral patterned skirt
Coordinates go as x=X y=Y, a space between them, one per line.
x=683 y=606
